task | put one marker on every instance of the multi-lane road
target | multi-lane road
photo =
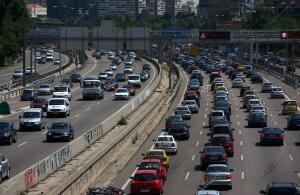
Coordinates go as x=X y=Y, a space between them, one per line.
x=6 y=73
x=254 y=165
x=31 y=146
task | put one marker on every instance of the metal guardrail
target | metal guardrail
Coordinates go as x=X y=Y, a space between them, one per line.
x=48 y=165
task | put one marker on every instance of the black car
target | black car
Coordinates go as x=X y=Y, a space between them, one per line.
x=294 y=121
x=8 y=133
x=243 y=89
x=270 y=135
x=197 y=76
x=27 y=95
x=75 y=78
x=171 y=119
x=60 y=130
x=281 y=189
x=120 y=77
x=213 y=155
x=222 y=129
x=222 y=103
x=179 y=129
x=67 y=81
x=225 y=110
x=257 y=78
x=193 y=97
x=143 y=76
x=257 y=119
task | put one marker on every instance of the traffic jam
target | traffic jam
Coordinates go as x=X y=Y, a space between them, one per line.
x=218 y=79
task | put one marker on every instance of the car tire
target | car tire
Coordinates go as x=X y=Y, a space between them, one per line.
x=15 y=139
x=10 y=141
x=8 y=173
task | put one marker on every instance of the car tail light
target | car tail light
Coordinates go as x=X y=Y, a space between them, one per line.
x=262 y=135
x=228 y=144
x=173 y=145
x=228 y=177
x=224 y=156
x=157 y=182
x=281 y=135
x=205 y=177
x=203 y=157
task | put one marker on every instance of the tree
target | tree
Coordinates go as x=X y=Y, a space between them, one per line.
x=14 y=22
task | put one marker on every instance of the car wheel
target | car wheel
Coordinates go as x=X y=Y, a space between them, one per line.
x=10 y=141
x=1 y=177
x=15 y=138
x=8 y=174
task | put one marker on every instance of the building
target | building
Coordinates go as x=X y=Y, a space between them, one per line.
x=141 y=5
x=173 y=7
x=36 y=10
x=122 y=8
x=292 y=7
x=190 y=7
x=156 y=7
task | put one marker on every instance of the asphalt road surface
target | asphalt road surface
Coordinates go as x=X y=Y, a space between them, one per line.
x=254 y=165
x=31 y=146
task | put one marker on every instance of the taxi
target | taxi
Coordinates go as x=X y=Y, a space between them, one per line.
x=289 y=107
x=217 y=85
x=157 y=154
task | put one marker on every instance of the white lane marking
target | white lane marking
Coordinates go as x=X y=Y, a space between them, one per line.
x=237 y=115
x=240 y=132
x=271 y=115
x=193 y=158
x=87 y=109
x=205 y=109
x=284 y=143
x=44 y=132
x=236 y=103
x=242 y=157
x=98 y=103
x=76 y=115
x=128 y=180
x=22 y=144
x=298 y=175
x=197 y=144
x=291 y=157
x=187 y=176
x=243 y=175
x=275 y=123
x=201 y=132
x=203 y=124
x=238 y=123
x=206 y=104
x=205 y=115
x=241 y=143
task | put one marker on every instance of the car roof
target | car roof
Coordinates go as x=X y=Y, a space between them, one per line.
x=217 y=165
x=33 y=110
x=155 y=150
x=146 y=171
x=282 y=184
x=209 y=192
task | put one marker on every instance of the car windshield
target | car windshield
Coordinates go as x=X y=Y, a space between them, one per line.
x=4 y=126
x=133 y=77
x=282 y=191
x=177 y=125
x=38 y=100
x=182 y=108
x=45 y=86
x=144 y=177
x=215 y=169
x=27 y=92
x=164 y=139
x=221 y=138
x=89 y=84
x=271 y=130
x=277 y=89
x=31 y=115
x=155 y=153
x=189 y=103
x=150 y=165
x=257 y=114
x=257 y=108
x=59 y=126
x=18 y=71
x=213 y=149
x=217 y=114
x=57 y=102
x=290 y=103
x=121 y=90
x=103 y=74
x=60 y=89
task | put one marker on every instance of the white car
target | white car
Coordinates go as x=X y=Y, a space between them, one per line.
x=56 y=61
x=237 y=83
x=218 y=175
x=218 y=80
x=166 y=142
x=62 y=91
x=17 y=74
x=102 y=76
x=121 y=94
x=49 y=57
x=253 y=102
x=38 y=56
x=128 y=69
x=109 y=72
x=113 y=66
x=29 y=70
x=58 y=106
x=277 y=92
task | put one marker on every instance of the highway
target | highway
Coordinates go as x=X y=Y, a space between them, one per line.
x=254 y=165
x=7 y=72
x=31 y=146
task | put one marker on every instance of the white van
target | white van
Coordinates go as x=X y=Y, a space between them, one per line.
x=135 y=80
x=62 y=91
x=58 y=106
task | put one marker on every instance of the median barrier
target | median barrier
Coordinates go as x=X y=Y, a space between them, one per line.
x=39 y=171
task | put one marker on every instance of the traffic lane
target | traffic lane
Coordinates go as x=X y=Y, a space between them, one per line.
x=82 y=122
x=122 y=180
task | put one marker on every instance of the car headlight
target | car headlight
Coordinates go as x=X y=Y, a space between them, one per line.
x=6 y=134
x=66 y=133
x=36 y=123
x=48 y=133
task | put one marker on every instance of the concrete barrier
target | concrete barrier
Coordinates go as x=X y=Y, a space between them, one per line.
x=39 y=171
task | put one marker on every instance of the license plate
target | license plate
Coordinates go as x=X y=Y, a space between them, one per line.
x=145 y=190
x=272 y=136
x=56 y=136
x=213 y=158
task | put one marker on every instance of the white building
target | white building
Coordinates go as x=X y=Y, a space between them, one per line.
x=36 y=10
x=173 y=7
x=190 y=7
x=141 y=5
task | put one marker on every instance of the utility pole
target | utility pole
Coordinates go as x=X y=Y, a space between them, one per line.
x=24 y=58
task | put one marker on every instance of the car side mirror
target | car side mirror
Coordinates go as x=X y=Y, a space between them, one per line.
x=259 y=131
x=19 y=116
x=130 y=177
x=201 y=152
x=143 y=154
x=262 y=192
x=231 y=170
x=233 y=129
x=138 y=165
x=154 y=140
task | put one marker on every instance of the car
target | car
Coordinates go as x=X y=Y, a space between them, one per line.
x=237 y=83
x=196 y=89
x=215 y=114
x=243 y=89
x=146 y=181
x=293 y=121
x=143 y=76
x=120 y=77
x=8 y=134
x=171 y=119
x=166 y=142
x=224 y=140
x=102 y=76
x=131 y=89
x=256 y=78
x=267 y=87
x=42 y=61
x=75 y=78
x=247 y=98
x=121 y=94
x=105 y=190
x=67 y=82
x=193 y=106
x=257 y=119
x=277 y=92
x=218 y=175
x=128 y=69
x=217 y=85
x=109 y=72
x=252 y=103
x=27 y=94
x=281 y=188
x=4 y=168
x=185 y=113
x=271 y=135
x=146 y=67
x=289 y=107
x=56 y=61
x=193 y=97
x=221 y=98
x=29 y=70
x=135 y=80
x=113 y=66
x=45 y=89
x=222 y=88
x=18 y=74
x=248 y=92
x=157 y=154
x=32 y=119
x=261 y=109
x=213 y=155
x=60 y=131
x=242 y=77
x=222 y=129
x=62 y=91
x=89 y=78
x=179 y=129
x=40 y=103
x=203 y=191
x=153 y=164
x=58 y=106
x=221 y=104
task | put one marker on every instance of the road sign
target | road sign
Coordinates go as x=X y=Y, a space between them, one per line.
x=290 y=35
x=214 y=34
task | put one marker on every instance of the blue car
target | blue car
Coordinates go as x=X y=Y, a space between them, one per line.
x=257 y=119
x=294 y=121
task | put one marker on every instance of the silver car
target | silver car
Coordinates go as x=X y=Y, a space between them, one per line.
x=277 y=92
x=4 y=168
x=218 y=175
x=193 y=106
x=45 y=89
x=207 y=192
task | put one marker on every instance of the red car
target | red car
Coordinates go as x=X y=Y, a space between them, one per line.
x=146 y=182
x=224 y=140
x=195 y=89
x=131 y=89
x=40 y=103
x=153 y=164
x=187 y=93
